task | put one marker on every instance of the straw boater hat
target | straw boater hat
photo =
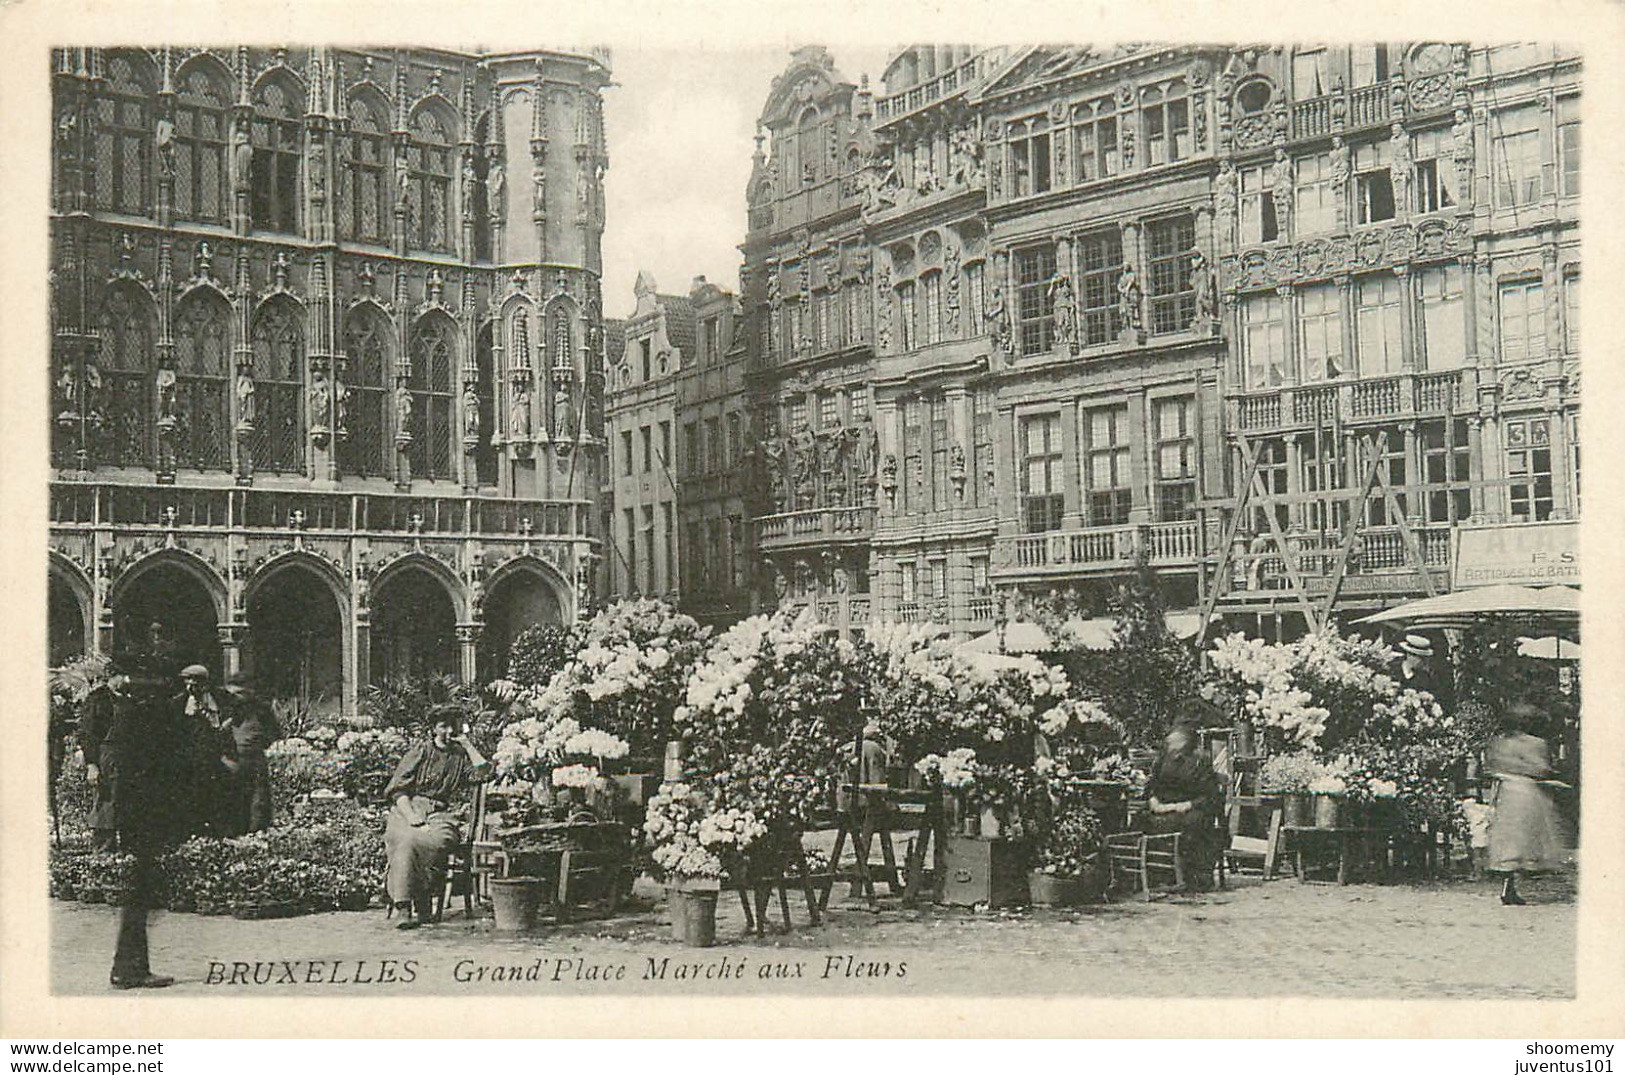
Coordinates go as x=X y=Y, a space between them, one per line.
x=1416 y=646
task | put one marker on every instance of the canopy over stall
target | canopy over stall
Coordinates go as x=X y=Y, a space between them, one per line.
x=1555 y=605
x=1020 y=636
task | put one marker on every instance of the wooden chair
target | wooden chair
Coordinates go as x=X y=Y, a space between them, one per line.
x=459 y=872
x=1247 y=853
x=1150 y=861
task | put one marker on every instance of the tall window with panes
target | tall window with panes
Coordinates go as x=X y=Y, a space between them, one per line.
x=1516 y=161
x=629 y=528
x=1320 y=332
x=1100 y=263
x=1310 y=74
x=1035 y=307
x=1263 y=340
x=713 y=445
x=279 y=353
x=941 y=493
x=1257 y=205
x=1377 y=324
x=907 y=335
x=202 y=366
x=201 y=133
x=1446 y=458
x=433 y=363
x=1172 y=242
x=1272 y=479
x=1175 y=423
x=1523 y=321
x=1373 y=184
x=1029 y=162
x=363 y=207
x=1106 y=465
x=1568 y=146
x=369 y=347
x=1320 y=468
x=975 y=277
x=1442 y=309
x=829 y=410
x=429 y=162
x=278 y=138
x=1368 y=64
x=823 y=308
x=981 y=476
x=1043 y=502
x=1165 y=122
x=1094 y=138
x=1528 y=468
x=1392 y=460
x=123 y=130
x=1435 y=182
x=931 y=313
x=1314 y=196
x=734 y=453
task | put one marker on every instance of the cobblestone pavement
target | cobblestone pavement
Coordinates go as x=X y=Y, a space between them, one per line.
x=1251 y=940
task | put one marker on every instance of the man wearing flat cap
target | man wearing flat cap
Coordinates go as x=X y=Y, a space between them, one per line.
x=253 y=727
x=212 y=749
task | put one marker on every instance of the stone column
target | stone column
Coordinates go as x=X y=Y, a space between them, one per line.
x=231 y=636
x=468 y=642
x=1139 y=457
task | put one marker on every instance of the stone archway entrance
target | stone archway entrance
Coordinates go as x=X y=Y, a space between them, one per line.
x=69 y=623
x=169 y=594
x=414 y=628
x=296 y=639
x=517 y=600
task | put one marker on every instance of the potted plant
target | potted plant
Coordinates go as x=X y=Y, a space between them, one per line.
x=1066 y=863
x=956 y=772
x=696 y=844
x=1328 y=789
x=1289 y=776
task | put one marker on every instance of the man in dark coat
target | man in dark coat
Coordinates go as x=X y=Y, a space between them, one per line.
x=211 y=749
x=98 y=741
x=1420 y=670
x=1186 y=796
x=254 y=727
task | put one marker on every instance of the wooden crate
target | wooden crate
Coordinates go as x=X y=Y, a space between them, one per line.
x=983 y=871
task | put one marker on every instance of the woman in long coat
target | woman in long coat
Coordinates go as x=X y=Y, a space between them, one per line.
x=427 y=794
x=1525 y=835
x=1185 y=795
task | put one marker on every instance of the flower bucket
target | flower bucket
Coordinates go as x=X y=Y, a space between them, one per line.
x=674 y=760
x=1327 y=811
x=991 y=826
x=1048 y=890
x=1298 y=809
x=514 y=901
x=699 y=915
x=1243 y=731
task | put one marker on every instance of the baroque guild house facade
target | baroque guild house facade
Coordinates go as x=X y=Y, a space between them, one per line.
x=1280 y=324
x=327 y=356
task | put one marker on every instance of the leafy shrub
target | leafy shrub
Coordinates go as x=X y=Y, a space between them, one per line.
x=539 y=652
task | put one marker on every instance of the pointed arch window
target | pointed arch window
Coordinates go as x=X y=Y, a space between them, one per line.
x=563 y=339
x=123 y=132
x=202 y=131
x=279 y=351
x=429 y=162
x=278 y=138
x=479 y=198
x=367 y=336
x=202 y=371
x=430 y=453
x=125 y=371
x=809 y=139
x=362 y=209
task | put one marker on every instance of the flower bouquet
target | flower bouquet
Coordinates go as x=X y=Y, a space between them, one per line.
x=1066 y=863
x=697 y=845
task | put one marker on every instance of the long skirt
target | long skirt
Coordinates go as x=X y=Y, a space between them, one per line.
x=1198 y=843
x=417 y=854
x=1525 y=833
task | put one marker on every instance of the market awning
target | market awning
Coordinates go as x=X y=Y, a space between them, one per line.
x=1555 y=604
x=1096 y=633
x=1550 y=648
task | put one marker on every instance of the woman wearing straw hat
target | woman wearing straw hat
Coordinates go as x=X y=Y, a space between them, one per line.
x=1525 y=835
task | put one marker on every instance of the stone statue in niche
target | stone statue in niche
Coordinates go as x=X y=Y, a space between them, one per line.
x=164 y=140
x=1341 y=168
x=495 y=176
x=245 y=400
x=341 y=408
x=202 y=265
x=1400 y=167
x=279 y=271
x=403 y=186
x=950 y=272
x=1129 y=299
x=773 y=469
x=956 y=470
x=888 y=474
x=242 y=155
x=519 y=414
x=320 y=401
x=168 y=401
x=1207 y=292
x=1060 y=296
x=67 y=393
x=864 y=443
x=804 y=462
x=471 y=417
x=318 y=169
x=965 y=157
x=997 y=315
x=403 y=413
x=470 y=181
x=564 y=415
x=1225 y=200
x=1281 y=188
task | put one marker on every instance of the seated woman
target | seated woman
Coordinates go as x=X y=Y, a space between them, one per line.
x=428 y=793
x=1186 y=796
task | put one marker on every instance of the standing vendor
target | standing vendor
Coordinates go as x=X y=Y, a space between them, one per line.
x=253 y=727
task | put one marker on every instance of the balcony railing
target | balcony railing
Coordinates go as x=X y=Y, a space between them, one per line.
x=1380 y=551
x=817 y=523
x=929 y=91
x=981 y=609
x=1366 y=106
x=169 y=507
x=1107 y=546
x=1374 y=398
